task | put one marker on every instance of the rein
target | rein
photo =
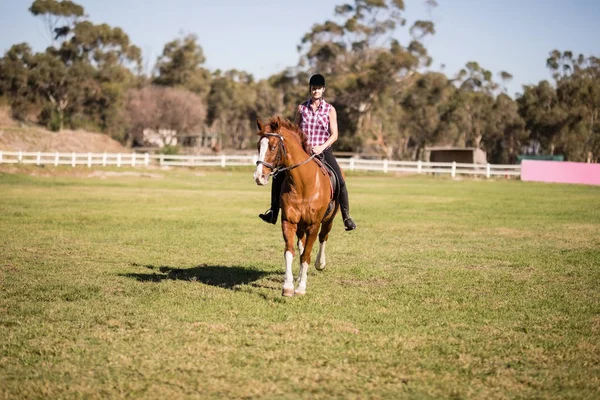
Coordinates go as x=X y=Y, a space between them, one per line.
x=281 y=148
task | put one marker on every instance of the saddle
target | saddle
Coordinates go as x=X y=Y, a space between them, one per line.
x=334 y=183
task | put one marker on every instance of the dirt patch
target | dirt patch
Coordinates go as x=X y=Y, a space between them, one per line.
x=15 y=138
x=44 y=172
x=5 y=118
x=19 y=136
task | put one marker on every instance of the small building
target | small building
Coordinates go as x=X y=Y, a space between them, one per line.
x=468 y=155
x=160 y=138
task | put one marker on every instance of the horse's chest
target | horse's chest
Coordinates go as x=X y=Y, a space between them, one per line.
x=304 y=210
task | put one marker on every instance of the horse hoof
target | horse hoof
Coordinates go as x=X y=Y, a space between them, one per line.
x=320 y=267
x=288 y=292
x=300 y=292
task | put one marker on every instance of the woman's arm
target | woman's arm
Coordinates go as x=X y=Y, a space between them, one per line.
x=333 y=132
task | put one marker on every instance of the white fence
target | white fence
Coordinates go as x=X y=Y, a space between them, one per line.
x=349 y=164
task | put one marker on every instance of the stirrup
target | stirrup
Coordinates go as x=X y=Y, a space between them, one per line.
x=269 y=216
x=349 y=224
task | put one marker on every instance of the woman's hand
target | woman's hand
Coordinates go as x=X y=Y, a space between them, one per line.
x=318 y=149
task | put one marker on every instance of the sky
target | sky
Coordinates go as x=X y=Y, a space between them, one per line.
x=261 y=36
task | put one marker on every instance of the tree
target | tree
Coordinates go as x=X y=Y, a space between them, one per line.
x=83 y=73
x=425 y=102
x=59 y=16
x=504 y=131
x=473 y=103
x=543 y=114
x=14 y=75
x=162 y=109
x=578 y=91
x=564 y=117
x=234 y=103
x=181 y=65
x=363 y=60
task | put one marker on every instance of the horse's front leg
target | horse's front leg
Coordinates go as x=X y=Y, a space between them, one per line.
x=289 y=231
x=301 y=235
x=311 y=236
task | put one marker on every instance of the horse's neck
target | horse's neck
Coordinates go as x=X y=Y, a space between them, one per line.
x=297 y=155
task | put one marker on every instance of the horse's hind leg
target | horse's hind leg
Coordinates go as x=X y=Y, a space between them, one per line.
x=311 y=236
x=321 y=261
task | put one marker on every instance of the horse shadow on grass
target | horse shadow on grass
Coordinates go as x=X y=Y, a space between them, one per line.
x=227 y=277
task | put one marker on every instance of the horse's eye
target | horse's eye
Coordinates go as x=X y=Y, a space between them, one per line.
x=273 y=148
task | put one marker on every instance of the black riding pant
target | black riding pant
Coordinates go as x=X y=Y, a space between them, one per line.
x=328 y=157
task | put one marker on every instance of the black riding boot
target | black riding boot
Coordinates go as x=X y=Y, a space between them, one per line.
x=349 y=223
x=272 y=213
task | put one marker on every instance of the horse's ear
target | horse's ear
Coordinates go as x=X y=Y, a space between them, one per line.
x=260 y=125
x=276 y=124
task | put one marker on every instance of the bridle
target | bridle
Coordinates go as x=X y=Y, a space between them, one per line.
x=281 y=155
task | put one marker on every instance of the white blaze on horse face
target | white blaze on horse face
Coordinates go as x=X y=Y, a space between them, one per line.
x=260 y=178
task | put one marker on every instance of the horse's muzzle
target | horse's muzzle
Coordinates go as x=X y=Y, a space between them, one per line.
x=261 y=179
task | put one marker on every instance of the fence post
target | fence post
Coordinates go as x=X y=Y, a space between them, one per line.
x=454 y=169
x=73 y=161
x=385 y=166
x=419 y=166
x=56 y=157
x=89 y=160
x=38 y=158
x=119 y=160
x=20 y=156
x=104 y=159
x=223 y=161
x=0 y=157
x=162 y=159
x=146 y=159
x=351 y=163
x=488 y=170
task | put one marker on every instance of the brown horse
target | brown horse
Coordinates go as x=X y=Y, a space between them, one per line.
x=305 y=195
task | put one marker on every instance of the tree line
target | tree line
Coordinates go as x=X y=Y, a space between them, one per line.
x=389 y=102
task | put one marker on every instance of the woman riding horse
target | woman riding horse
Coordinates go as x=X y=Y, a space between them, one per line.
x=318 y=120
x=308 y=209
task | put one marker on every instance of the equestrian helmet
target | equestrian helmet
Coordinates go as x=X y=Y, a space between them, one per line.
x=317 y=80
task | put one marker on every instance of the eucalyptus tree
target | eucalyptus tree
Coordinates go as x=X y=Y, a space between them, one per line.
x=544 y=115
x=181 y=64
x=79 y=78
x=578 y=91
x=14 y=75
x=474 y=103
x=426 y=102
x=59 y=16
x=505 y=132
x=363 y=60
x=234 y=102
x=293 y=85
x=564 y=117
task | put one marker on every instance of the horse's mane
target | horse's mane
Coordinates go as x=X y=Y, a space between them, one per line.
x=295 y=129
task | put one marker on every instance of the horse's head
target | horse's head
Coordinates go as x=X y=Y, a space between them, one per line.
x=271 y=150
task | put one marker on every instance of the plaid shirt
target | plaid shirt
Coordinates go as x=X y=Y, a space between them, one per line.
x=315 y=124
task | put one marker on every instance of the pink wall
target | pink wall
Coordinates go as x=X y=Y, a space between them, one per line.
x=560 y=172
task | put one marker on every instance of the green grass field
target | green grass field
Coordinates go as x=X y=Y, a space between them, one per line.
x=165 y=284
